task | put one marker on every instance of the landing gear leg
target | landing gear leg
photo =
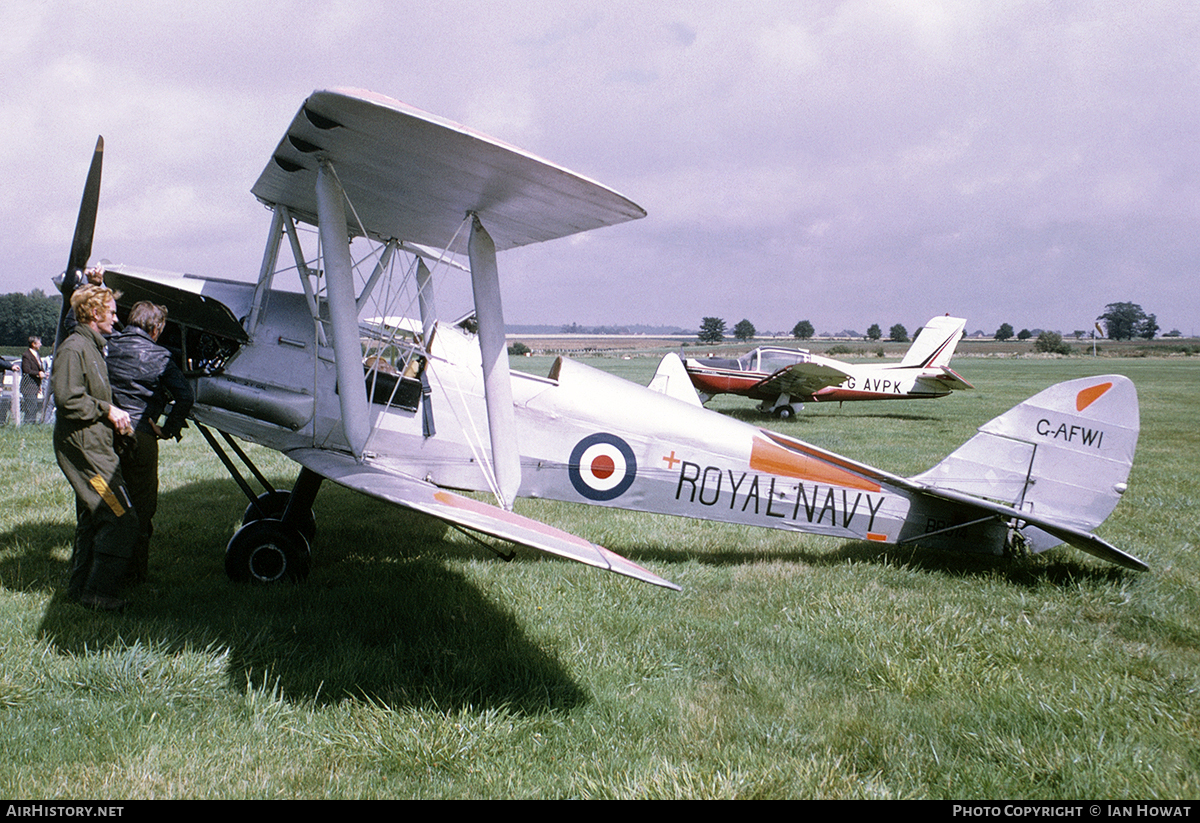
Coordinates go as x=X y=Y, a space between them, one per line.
x=273 y=544
x=784 y=408
x=278 y=526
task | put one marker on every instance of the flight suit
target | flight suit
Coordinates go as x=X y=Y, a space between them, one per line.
x=106 y=526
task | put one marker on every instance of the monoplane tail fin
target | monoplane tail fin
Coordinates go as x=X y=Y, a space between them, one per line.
x=672 y=380
x=935 y=344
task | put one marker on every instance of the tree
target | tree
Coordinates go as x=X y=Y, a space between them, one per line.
x=898 y=334
x=1051 y=342
x=1124 y=321
x=803 y=330
x=712 y=330
x=518 y=349
x=744 y=330
x=1024 y=334
x=874 y=333
x=22 y=315
x=1005 y=332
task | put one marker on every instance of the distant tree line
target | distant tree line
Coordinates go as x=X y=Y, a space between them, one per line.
x=22 y=315
x=575 y=328
x=712 y=330
x=1122 y=321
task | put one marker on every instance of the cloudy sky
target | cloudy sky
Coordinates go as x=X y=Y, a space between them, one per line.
x=858 y=162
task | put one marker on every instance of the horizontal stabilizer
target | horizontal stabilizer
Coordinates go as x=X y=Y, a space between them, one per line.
x=1082 y=540
x=467 y=512
x=943 y=380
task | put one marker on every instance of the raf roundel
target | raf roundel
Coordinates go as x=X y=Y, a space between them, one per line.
x=602 y=467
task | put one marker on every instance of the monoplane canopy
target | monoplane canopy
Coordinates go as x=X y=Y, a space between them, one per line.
x=412 y=176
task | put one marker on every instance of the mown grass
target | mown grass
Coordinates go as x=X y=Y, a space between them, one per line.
x=414 y=664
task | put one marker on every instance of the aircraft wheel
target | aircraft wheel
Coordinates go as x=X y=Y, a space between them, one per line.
x=272 y=505
x=784 y=412
x=267 y=551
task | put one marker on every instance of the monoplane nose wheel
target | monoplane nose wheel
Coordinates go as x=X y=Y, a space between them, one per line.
x=784 y=412
x=267 y=551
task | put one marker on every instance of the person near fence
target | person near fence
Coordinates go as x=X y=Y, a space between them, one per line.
x=33 y=371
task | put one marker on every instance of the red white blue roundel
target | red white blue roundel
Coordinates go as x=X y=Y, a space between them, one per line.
x=602 y=467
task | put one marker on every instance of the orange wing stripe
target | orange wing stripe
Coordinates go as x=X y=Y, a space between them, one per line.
x=769 y=458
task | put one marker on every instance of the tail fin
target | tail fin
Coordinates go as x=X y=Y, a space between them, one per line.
x=1063 y=457
x=935 y=344
x=672 y=380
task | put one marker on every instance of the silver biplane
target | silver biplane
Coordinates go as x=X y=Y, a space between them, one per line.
x=415 y=411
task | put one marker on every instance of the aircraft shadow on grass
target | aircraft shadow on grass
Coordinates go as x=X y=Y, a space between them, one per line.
x=387 y=620
x=1058 y=568
x=755 y=417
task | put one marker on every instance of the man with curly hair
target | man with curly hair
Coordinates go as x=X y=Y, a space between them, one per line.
x=84 y=430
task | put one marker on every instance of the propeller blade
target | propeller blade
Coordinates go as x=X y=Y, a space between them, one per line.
x=85 y=228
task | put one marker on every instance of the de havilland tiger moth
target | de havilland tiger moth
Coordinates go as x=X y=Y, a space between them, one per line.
x=415 y=411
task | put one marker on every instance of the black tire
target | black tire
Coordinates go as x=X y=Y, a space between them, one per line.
x=272 y=505
x=267 y=551
x=784 y=412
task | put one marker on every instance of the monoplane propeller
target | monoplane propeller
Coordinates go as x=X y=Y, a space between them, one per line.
x=81 y=245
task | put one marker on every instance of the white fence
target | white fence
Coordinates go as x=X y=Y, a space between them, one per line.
x=11 y=401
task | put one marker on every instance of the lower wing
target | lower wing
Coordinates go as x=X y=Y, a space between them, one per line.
x=467 y=512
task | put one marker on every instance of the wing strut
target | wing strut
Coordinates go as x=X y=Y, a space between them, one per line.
x=343 y=309
x=425 y=301
x=497 y=385
x=381 y=267
x=266 y=272
x=428 y=318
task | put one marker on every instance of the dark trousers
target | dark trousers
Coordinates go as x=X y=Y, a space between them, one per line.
x=106 y=526
x=139 y=468
x=100 y=560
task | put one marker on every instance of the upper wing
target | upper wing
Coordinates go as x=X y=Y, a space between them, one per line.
x=803 y=379
x=413 y=176
x=467 y=512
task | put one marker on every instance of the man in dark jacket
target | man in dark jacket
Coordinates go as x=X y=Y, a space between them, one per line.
x=144 y=378
x=85 y=425
x=32 y=374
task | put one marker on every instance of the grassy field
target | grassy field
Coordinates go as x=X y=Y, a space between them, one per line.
x=413 y=663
